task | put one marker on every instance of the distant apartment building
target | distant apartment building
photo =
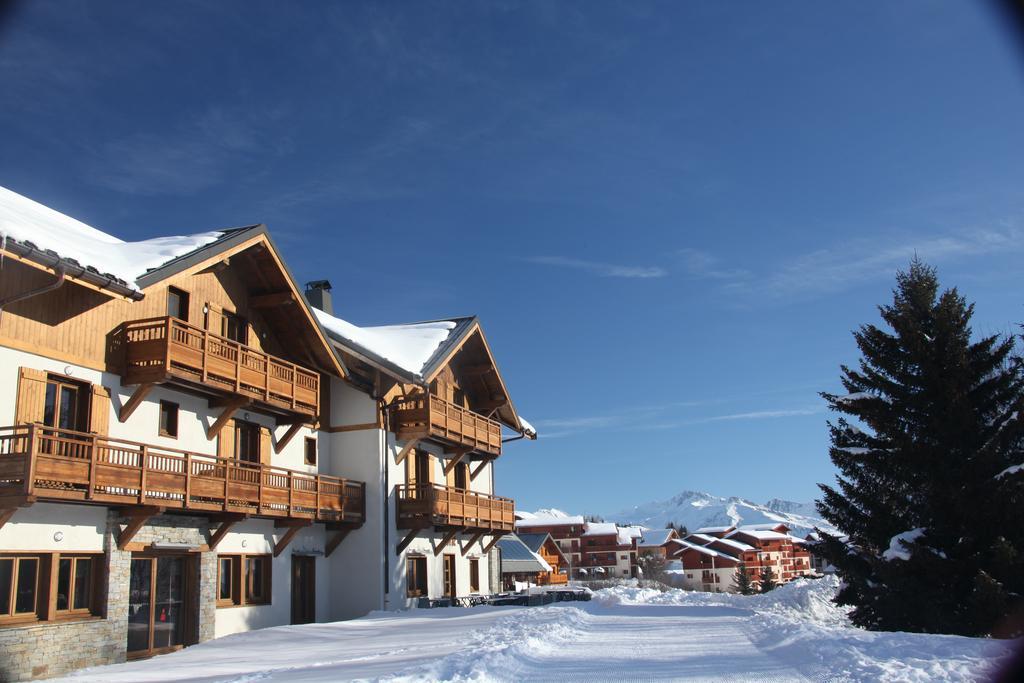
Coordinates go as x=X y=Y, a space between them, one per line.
x=711 y=556
x=565 y=531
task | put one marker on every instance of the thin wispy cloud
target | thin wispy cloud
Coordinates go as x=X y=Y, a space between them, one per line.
x=601 y=269
x=702 y=265
x=759 y=415
x=853 y=263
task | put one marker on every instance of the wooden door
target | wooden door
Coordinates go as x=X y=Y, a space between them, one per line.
x=449 y=576
x=160 y=601
x=303 y=589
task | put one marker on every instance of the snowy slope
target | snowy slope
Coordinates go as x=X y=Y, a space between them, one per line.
x=694 y=509
x=794 y=633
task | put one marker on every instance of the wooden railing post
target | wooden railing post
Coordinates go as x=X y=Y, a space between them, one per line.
x=316 y=512
x=93 y=456
x=144 y=452
x=238 y=367
x=227 y=484
x=188 y=479
x=30 y=469
x=203 y=351
x=290 y=491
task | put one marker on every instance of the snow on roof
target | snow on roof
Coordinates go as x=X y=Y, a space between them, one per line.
x=760 y=534
x=706 y=551
x=528 y=428
x=25 y=220
x=523 y=514
x=704 y=538
x=654 y=538
x=407 y=346
x=734 y=544
x=601 y=529
x=549 y=520
x=714 y=529
x=773 y=526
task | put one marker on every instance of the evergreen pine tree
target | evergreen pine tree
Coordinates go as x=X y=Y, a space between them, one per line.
x=942 y=420
x=741 y=580
x=767 y=579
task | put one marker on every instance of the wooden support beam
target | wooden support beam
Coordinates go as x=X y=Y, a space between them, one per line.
x=476 y=537
x=336 y=541
x=229 y=411
x=137 y=517
x=134 y=400
x=406 y=450
x=294 y=526
x=5 y=515
x=479 y=468
x=271 y=300
x=456 y=458
x=227 y=521
x=406 y=541
x=288 y=436
x=492 y=542
x=446 y=540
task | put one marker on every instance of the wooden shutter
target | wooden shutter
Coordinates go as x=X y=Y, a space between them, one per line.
x=214 y=318
x=226 y=440
x=410 y=467
x=265 y=444
x=449 y=478
x=31 y=396
x=99 y=412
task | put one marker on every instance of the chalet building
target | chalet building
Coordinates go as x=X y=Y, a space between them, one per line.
x=711 y=555
x=543 y=545
x=656 y=542
x=609 y=551
x=531 y=560
x=192 y=450
x=565 y=531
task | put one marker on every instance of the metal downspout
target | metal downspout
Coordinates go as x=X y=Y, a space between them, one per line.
x=6 y=301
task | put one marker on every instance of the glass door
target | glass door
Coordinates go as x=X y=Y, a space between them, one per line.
x=157 y=605
x=303 y=589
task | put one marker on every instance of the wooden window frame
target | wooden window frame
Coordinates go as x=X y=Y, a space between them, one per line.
x=95 y=568
x=241 y=580
x=83 y=411
x=183 y=297
x=413 y=578
x=171 y=408
x=239 y=427
x=44 y=609
x=226 y=319
x=309 y=442
x=474 y=575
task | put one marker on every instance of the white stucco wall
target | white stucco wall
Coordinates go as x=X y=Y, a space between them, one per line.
x=80 y=528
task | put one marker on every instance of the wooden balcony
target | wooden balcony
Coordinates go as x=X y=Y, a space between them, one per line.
x=549 y=579
x=167 y=349
x=426 y=505
x=39 y=463
x=430 y=417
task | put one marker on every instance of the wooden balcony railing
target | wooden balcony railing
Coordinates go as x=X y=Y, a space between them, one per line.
x=425 y=505
x=549 y=579
x=38 y=462
x=432 y=417
x=157 y=349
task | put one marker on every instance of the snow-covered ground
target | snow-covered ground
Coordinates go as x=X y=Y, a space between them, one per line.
x=625 y=633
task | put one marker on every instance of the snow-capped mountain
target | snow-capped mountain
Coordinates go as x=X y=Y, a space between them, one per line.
x=695 y=509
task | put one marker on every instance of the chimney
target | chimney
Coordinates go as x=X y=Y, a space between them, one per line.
x=318 y=294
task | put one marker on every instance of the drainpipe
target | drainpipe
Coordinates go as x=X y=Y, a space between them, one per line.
x=7 y=301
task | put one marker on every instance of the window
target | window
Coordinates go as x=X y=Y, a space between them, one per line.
x=26 y=580
x=234 y=328
x=243 y=580
x=310 y=451
x=75 y=579
x=623 y=557
x=462 y=476
x=474 y=575
x=169 y=419
x=19 y=586
x=177 y=303
x=416 y=576
x=247 y=441
x=66 y=404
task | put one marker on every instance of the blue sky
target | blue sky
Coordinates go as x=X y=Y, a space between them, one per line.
x=669 y=216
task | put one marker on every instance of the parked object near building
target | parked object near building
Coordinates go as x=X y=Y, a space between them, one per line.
x=191 y=450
